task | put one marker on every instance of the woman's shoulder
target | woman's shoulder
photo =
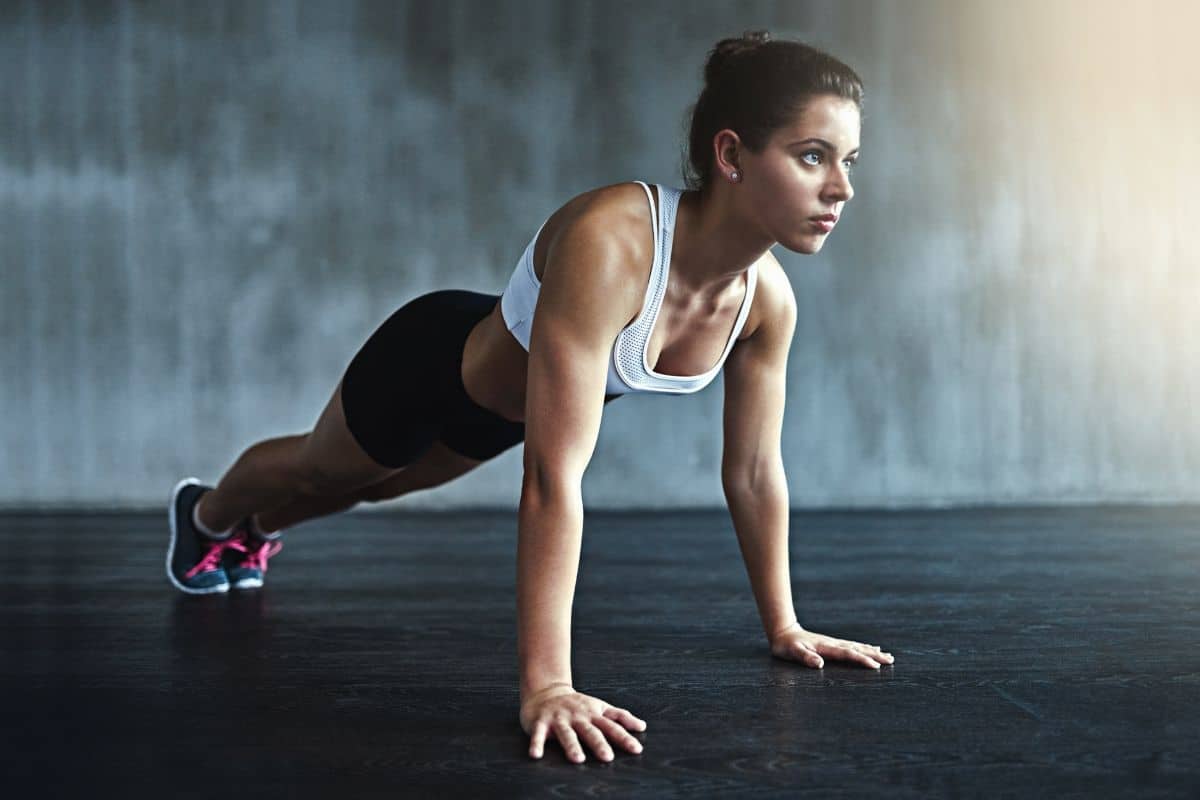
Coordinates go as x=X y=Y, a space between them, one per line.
x=619 y=213
x=773 y=295
x=622 y=208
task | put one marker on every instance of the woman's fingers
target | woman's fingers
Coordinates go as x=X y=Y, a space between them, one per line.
x=803 y=652
x=852 y=653
x=537 y=742
x=625 y=718
x=873 y=652
x=855 y=654
x=569 y=741
x=618 y=734
x=571 y=717
x=592 y=735
x=808 y=648
x=570 y=733
x=811 y=657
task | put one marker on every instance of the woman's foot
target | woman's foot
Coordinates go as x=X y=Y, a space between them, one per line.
x=248 y=571
x=193 y=558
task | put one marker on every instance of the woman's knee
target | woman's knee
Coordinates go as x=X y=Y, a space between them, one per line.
x=384 y=490
x=322 y=479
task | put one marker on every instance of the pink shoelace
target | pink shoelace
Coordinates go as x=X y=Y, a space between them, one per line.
x=256 y=557
x=212 y=559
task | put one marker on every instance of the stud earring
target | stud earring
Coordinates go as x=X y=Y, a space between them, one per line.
x=733 y=176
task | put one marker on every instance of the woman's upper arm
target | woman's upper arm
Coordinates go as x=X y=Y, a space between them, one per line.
x=587 y=296
x=756 y=385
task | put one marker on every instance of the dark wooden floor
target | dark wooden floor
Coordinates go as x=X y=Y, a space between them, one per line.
x=1039 y=652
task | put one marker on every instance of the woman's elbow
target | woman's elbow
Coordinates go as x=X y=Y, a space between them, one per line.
x=548 y=482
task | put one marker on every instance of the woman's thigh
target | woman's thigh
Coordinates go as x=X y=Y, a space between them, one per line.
x=331 y=459
x=403 y=390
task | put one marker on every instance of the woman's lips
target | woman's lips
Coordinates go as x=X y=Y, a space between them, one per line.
x=824 y=225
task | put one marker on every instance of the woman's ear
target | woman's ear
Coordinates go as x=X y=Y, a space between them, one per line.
x=726 y=146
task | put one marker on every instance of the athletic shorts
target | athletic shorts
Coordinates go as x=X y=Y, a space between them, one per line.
x=403 y=389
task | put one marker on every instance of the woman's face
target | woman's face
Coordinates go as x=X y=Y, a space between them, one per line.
x=803 y=173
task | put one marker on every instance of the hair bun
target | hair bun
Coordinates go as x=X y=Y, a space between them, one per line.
x=727 y=50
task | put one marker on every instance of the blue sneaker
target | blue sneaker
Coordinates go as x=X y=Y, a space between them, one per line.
x=193 y=558
x=247 y=572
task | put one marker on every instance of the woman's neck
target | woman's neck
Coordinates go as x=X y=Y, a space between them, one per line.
x=713 y=246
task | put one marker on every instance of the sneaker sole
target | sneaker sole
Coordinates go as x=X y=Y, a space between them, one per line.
x=248 y=583
x=218 y=588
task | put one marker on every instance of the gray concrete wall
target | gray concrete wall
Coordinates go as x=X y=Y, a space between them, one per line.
x=206 y=207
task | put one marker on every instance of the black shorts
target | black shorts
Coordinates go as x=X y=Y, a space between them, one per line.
x=403 y=389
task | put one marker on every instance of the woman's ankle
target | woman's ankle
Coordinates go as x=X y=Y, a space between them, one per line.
x=255 y=523
x=211 y=531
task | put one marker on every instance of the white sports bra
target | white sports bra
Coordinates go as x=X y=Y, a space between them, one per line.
x=628 y=370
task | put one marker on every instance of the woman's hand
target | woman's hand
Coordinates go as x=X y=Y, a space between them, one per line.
x=570 y=716
x=796 y=644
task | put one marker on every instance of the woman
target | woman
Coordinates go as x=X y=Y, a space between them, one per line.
x=626 y=288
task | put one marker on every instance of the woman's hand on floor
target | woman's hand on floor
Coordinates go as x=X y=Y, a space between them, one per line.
x=796 y=644
x=570 y=716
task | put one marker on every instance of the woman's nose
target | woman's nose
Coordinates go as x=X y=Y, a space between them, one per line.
x=839 y=190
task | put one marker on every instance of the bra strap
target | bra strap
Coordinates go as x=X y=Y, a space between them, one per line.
x=653 y=210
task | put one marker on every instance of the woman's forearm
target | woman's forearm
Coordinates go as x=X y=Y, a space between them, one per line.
x=760 y=519
x=549 y=539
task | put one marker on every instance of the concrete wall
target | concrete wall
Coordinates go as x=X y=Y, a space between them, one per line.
x=206 y=207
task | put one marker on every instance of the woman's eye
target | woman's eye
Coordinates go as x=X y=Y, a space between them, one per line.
x=849 y=162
